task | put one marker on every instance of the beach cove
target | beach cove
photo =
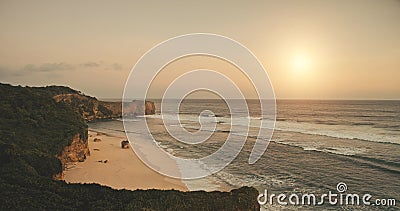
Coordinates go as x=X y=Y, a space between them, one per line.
x=110 y=165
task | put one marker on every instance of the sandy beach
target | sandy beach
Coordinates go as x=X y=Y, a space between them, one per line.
x=110 y=165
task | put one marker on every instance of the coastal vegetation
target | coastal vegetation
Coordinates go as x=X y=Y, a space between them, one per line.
x=35 y=129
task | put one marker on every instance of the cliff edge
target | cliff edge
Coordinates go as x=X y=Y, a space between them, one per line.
x=90 y=108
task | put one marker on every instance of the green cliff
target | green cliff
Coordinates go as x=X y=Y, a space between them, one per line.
x=39 y=133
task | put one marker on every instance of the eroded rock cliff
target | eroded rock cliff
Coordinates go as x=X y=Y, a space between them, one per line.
x=90 y=108
x=77 y=151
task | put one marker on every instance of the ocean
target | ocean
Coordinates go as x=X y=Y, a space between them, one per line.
x=316 y=144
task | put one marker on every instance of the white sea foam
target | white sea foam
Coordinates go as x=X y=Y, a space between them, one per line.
x=350 y=135
x=323 y=147
x=361 y=132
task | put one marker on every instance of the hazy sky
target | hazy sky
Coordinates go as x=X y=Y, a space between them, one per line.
x=346 y=49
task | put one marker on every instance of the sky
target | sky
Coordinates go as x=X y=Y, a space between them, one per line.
x=311 y=49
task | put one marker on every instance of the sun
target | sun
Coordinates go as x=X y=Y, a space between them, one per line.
x=301 y=63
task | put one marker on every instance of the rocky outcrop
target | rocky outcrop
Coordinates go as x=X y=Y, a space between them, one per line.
x=138 y=108
x=90 y=108
x=77 y=151
x=150 y=108
x=125 y=144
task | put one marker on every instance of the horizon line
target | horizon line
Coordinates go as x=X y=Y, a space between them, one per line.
x=294 y=99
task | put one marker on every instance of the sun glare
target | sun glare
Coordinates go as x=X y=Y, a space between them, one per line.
x=301 y=63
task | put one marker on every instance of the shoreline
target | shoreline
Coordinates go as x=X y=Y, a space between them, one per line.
x=115 y=128
x=110 y=165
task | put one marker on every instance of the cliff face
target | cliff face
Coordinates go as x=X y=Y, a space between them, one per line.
x=77 y=151
x=90 y=108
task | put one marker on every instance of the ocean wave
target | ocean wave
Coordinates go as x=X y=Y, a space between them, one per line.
x=365 y=131
x=318 y=147
x=360 y=132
